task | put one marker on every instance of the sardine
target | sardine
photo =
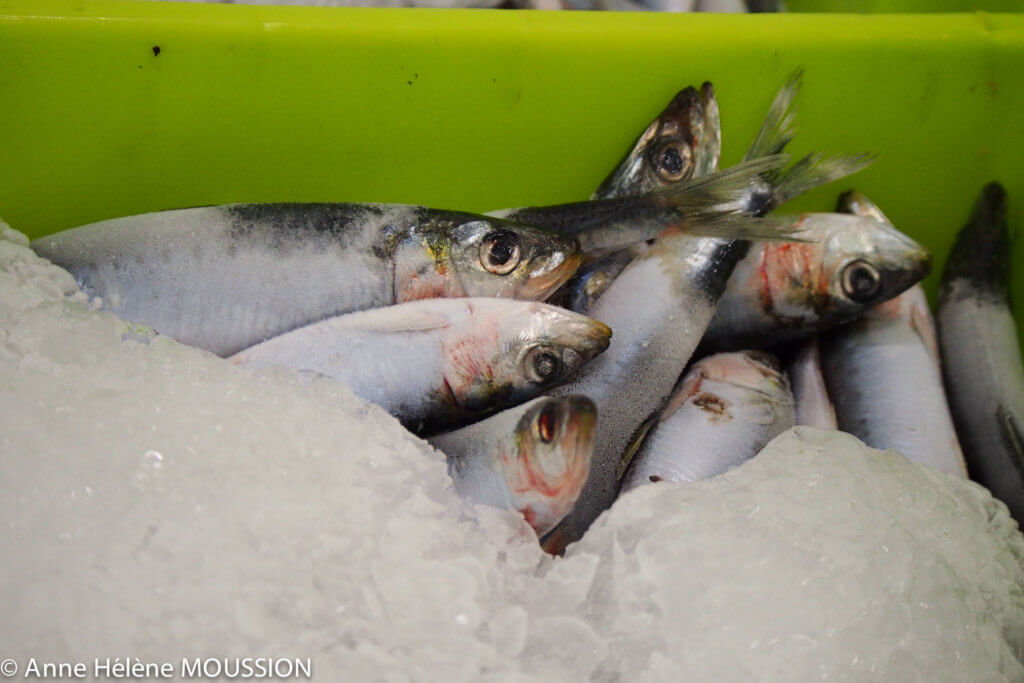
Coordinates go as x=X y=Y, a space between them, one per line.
x=532 y=458
x=440 y=363
x=883 y=373
x=693 y=117
x=785 y=291
x=981 y=351
x=684 y=141
x=810 y=395
x=225 y=278
x=659 y=308
x=725 y=410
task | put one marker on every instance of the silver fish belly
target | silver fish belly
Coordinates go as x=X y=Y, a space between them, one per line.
x=659 y=307
x=981 y=352
x=726 y=409
x=883 y=375
x=813 y=405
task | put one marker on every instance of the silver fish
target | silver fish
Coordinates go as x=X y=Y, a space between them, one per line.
x=532 y=458
x=882 y=372
x=684 y=141
x=659 y=307
x=725 y=410
x=981 y=351
x=224 y=278
x=789 y=290
x=440 y=363
x=810 y=395
x=693 y=119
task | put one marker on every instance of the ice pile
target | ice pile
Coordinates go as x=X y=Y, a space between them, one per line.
x=160 y=503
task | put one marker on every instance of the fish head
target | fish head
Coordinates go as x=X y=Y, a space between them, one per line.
x=869 y=261
x=850 y=264
x=684 y=141
x=549 y=466
x=546 y=345
x=497 y=258
x=899 y=261
x=508 y=352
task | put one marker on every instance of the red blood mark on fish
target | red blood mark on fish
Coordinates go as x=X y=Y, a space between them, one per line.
x=469 y=356
x=791 y=278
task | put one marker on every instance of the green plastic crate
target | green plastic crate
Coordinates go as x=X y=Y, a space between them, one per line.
x=114 y=107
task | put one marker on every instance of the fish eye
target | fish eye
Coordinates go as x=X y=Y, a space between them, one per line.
x=499 y=252
x=547 y=422
x=542 y=364
x=672 y=161
x=861 y=281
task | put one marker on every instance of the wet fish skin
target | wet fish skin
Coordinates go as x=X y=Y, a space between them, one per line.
x=683 y=141
x=885 y=372
x=532 y=458
x=981 y=351
x=659 y=307
x=224 y=278
x=724 y=411
x=814 y=406
x=440 y=363
x=781 y=292
x=885 y=381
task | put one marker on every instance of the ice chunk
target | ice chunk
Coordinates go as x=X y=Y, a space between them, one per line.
x=160 y=503
x=820 y=558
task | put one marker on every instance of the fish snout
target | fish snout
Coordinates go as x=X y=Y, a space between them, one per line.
x=550 y=271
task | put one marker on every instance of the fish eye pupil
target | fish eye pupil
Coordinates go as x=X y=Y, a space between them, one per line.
x=861 y=281
x=501 y=250
x=547 y=423
x=671 y=160
x=545 y=364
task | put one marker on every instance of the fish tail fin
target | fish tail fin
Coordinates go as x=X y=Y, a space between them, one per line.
x=719 y=191
x=778 y=128
x=815 y=170
x=740 y=226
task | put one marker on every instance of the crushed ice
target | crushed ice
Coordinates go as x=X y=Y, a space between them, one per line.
x=161 y=503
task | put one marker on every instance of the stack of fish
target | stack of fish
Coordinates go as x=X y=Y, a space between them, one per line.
x=437 y=316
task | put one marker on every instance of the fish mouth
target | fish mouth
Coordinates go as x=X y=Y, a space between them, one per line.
x=548 y=273
x=589 y=337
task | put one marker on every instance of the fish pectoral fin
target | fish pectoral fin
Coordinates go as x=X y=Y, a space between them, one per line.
x=742 y=226
x=921 y=323
x=634 y=444
x=1012 y=434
